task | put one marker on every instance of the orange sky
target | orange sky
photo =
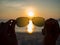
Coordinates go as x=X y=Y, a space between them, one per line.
x=17 y=8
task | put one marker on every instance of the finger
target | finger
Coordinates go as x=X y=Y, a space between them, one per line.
x=11 y=22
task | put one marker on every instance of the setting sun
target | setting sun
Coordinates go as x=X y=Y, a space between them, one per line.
x=30 y=12
x=30 y=27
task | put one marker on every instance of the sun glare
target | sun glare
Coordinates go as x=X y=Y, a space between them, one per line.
x=30 y=27
x=30 y=12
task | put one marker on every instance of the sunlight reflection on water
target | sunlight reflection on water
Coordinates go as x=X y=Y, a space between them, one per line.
x=30 y=27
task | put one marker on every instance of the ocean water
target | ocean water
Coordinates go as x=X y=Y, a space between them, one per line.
x=36 y=38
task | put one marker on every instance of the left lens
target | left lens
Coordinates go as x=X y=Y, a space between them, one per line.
x=38 y=21
x=22 y=21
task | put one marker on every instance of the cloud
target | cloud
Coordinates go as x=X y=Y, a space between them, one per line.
x=12 y=5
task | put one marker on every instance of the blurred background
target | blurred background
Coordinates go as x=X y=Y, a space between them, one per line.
x=30 y=34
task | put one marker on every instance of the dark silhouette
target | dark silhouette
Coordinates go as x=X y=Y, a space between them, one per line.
x=7 y=33
x=50 y=31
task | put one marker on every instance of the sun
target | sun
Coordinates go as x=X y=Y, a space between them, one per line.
x=30 y=12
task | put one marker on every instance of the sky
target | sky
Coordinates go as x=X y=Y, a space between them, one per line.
x=12 y=9
x=16 y=8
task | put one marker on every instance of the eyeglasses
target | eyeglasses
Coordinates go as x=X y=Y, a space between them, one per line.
x=23 y=21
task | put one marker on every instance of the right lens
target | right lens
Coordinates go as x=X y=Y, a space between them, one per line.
x=38 y=21
x=22 y=21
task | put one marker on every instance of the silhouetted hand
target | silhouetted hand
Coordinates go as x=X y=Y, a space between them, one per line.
x=50 y=31
x=7 y=33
